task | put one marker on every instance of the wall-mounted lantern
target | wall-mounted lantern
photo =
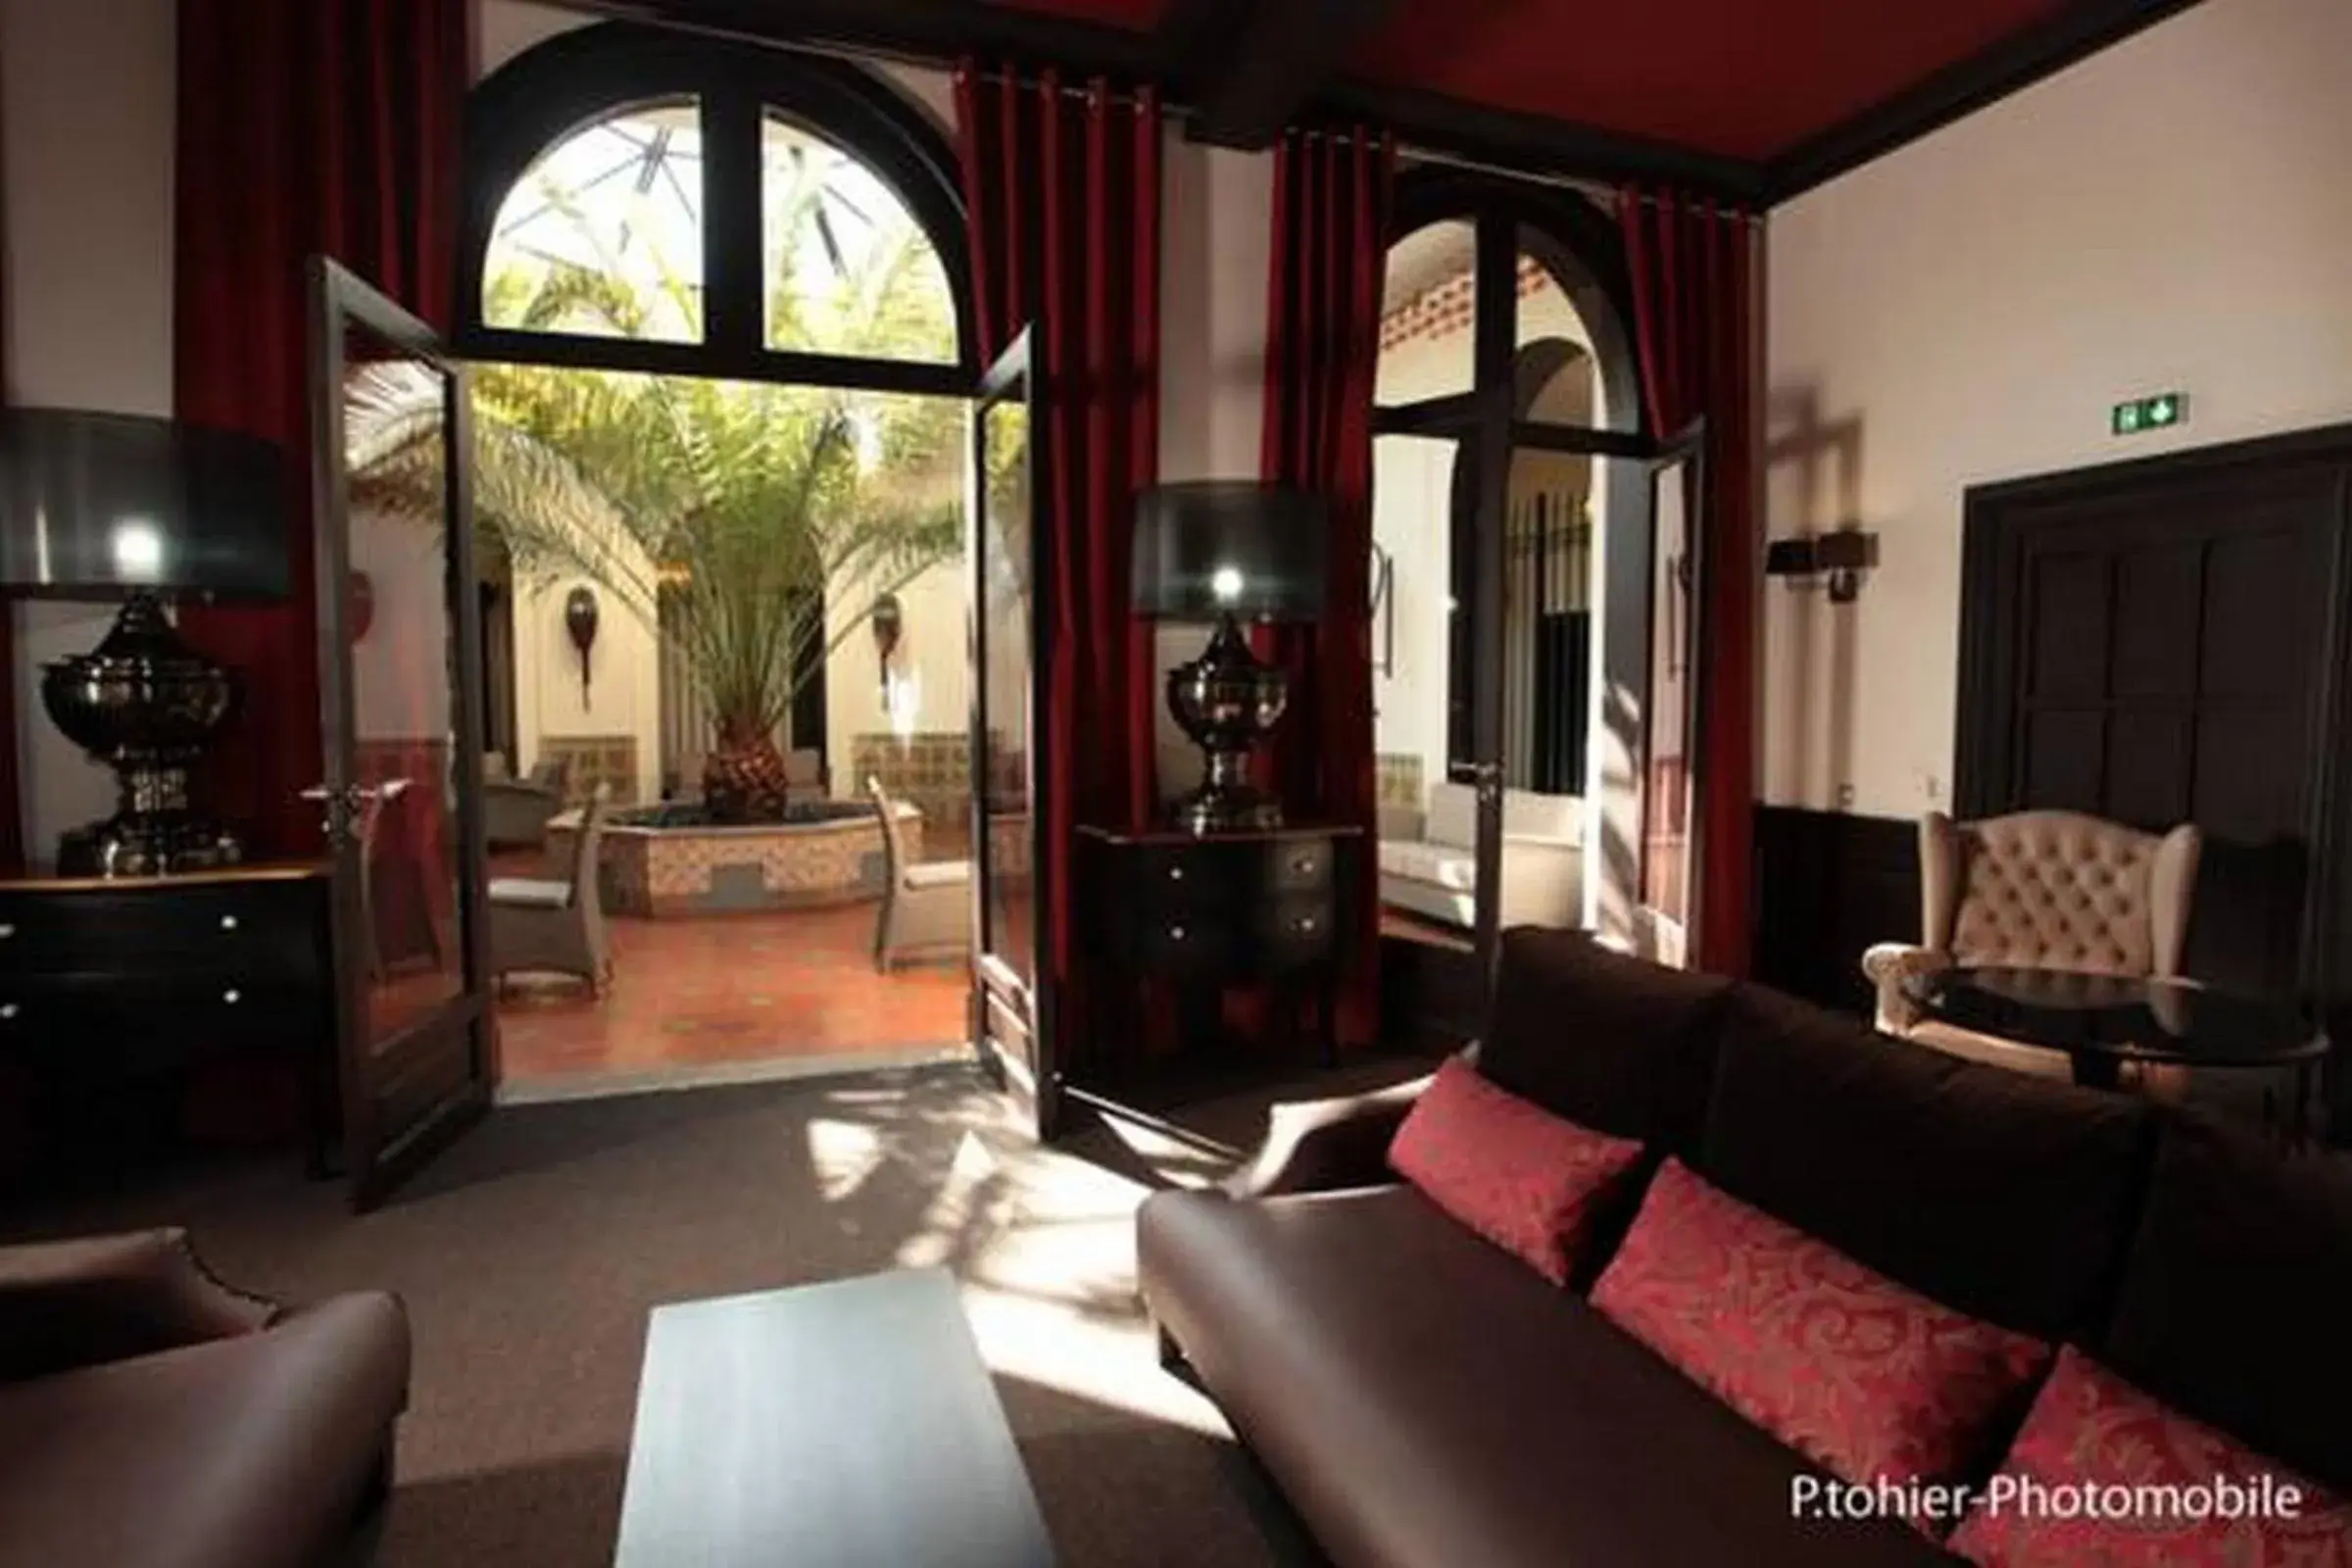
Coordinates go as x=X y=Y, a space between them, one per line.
x=359 y=606
x=1842 y=556
x=580 y=615
x=890 y=626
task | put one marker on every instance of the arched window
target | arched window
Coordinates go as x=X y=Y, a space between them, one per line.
x=645 y=200
x=1548 y=261
x=1511 y=441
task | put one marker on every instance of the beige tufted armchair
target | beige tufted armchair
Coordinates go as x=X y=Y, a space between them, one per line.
x=2037 y=890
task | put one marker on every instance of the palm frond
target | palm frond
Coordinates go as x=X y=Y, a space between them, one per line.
x=739 y=520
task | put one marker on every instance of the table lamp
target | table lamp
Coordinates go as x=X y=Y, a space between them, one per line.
x=1227 y=552
x=109 y=506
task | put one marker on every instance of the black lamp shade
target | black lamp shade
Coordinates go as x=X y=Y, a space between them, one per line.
x=97 y=503
x=1214 y=548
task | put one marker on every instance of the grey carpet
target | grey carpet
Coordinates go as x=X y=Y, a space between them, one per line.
x=530 y=1254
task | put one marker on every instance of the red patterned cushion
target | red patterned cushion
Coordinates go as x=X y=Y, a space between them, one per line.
x=1511 y=1171
x=1874 y=1382
x=2089 y=1430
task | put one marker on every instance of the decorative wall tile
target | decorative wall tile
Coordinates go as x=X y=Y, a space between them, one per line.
x=932 y=770
x=608 y=759
x=1400 y=779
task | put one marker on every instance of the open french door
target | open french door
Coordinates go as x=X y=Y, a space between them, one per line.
x=399 y=682
x=1010 y=653
x=1666 y=906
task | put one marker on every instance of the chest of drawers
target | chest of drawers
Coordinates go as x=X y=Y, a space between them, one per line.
x=104 y=979
x=1229 y=910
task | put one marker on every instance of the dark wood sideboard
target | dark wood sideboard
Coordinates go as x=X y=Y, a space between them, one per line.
x=1204 y=915
x=109 y=981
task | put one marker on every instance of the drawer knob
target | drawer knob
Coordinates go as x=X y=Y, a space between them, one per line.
x=1307 y=922
x=1175 y=874
x=7 y=930
x=8 y=1009
x=228 y=922
x=232 y=996
x=1303 y=864
x=1175 y=933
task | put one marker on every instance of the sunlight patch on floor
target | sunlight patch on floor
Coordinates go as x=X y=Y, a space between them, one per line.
x=843 y=1155
x=1044 y=1246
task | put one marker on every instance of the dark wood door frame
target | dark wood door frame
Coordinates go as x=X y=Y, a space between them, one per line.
x=2000 y=520
x=1027 y=1004
x=439 y=1070
x=1578 y=245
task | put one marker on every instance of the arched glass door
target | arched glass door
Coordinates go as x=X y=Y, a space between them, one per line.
x=1515 y=518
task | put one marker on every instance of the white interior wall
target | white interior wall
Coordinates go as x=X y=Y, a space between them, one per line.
x=505 y=29
x=2169 y=214
x=622 y=694
x=930 y=670
x=1217 y=236
x=87 y=94
x=1412 y=513
x=399 y=691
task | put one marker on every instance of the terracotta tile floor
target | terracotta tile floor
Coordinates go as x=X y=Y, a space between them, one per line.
x=731 y=989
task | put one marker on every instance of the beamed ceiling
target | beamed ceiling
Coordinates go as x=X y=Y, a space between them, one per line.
x=1756 y=99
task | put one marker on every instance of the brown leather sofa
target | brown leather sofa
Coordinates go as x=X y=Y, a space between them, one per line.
x=151 y=1416
x=1426 y=1401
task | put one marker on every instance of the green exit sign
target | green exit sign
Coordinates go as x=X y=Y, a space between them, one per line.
x=2157 y=411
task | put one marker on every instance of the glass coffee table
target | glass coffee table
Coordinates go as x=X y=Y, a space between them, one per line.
x=2104 y=1021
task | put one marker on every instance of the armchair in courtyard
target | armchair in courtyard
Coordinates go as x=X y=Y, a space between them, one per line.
x=556 y=927
x=2039 y=890
x=515 y=811
x=925 y=905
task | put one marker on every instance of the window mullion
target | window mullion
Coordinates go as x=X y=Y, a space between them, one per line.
x=734 y=238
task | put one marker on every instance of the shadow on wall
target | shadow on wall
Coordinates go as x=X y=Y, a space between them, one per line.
x=1813 y=469
x=1616 y=916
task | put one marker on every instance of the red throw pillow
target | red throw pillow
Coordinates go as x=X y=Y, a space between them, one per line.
x=1510 y=1170
x=1872 y=1381
x=2104 y=1474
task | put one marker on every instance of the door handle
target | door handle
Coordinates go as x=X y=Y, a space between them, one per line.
x=343 y=808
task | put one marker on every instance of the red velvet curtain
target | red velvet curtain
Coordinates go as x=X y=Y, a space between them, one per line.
x=1063 y=186
x=12 y=821
x=1323 y=305
x=1693 y=272
x=306 y=127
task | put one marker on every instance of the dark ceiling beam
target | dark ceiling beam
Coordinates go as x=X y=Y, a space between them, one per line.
x=941 y=31
x=1537 y=144
x=2074 y=33
x=933 y=31
x=1251 y=65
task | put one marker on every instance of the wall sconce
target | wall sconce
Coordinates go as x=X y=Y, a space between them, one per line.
x=359 y=606
x=1384 y=610
x=1842 y=556
x=890 y=625
x=579 y=619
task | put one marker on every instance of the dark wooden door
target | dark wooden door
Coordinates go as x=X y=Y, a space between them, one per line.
x=2159 y=642
x=401 y=715
x=1011 y=655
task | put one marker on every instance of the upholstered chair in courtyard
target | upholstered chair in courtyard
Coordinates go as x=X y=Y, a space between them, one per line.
x=556 y=926
x=926 y=905
x=2039 y=890
x=515 y=811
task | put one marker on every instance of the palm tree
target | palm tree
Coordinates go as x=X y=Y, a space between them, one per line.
x=729 y=515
